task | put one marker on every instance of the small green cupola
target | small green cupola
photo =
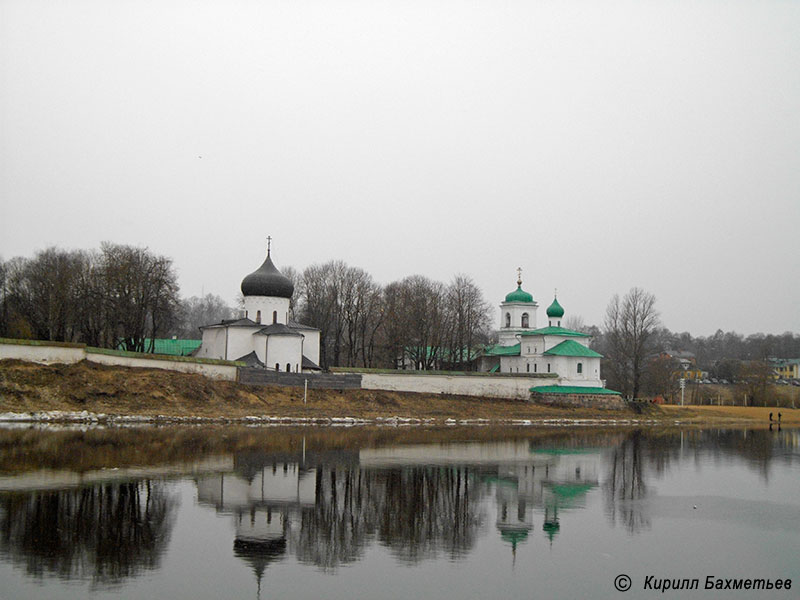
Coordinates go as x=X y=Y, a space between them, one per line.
x=554 y=311
x=519 y=295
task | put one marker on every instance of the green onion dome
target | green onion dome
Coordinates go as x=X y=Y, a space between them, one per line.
x=554 y=310
x=519 y=295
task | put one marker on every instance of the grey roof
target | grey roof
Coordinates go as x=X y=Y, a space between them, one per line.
x=267 y=281
x=251 y=360
x=278 y=329
x=233 y=323
x=296 y=325
x=309 y=364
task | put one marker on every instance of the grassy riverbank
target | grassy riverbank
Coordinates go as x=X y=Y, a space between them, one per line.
x=120 y=391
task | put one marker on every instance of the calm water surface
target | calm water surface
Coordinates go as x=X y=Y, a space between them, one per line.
x=394 y=513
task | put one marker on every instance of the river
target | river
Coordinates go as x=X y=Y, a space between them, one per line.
x=275 y=512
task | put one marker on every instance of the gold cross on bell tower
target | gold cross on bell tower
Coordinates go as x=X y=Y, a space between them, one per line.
x=519 y=276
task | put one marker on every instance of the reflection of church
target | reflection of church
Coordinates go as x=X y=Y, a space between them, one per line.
x=552 y=481
x=263 y=503
x=325 y=508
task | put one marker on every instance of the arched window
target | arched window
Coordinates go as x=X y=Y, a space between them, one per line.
x=508 y=319
x=580 y=368
x=274 y=316
x=527 y=367
x=288 y=367
x=524 y=319
x=548 y=367
x=245 y=314
x=535 y=368
x=258 y=317
x=277 y=367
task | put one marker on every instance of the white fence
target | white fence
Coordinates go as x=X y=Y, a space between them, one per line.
x=46 y=353
x=486 y=386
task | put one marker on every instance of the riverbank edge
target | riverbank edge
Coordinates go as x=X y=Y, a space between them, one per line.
x=91 y=394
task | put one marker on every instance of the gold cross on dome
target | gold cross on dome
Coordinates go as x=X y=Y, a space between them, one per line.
x=269 y=244
x=519 y=275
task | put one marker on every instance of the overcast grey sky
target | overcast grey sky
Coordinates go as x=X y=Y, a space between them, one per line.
x=599 y=145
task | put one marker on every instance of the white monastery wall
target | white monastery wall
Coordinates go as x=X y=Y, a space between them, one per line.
x=42 y=354
x=64 y=355
x=464 y=385
x=267 y=305
x=227 y=372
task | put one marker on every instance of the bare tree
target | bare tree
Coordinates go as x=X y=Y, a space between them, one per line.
x=629 y=326
x=576 y=323
x=141 y=293
x=415 y=314
x=197 y=311
x=468 y=321
x=347 y=306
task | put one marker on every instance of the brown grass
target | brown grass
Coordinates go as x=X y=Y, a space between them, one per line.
x=757 y=414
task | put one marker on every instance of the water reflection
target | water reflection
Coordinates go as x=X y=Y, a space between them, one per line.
x=327 y=504
x=105 y=533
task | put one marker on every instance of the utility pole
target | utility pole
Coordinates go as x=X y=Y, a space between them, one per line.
x=683 y=387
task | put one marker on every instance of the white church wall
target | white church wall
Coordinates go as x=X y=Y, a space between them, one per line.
x=240 y=341
x=213 y=345
x=267 y=305
x=516 y=310
x=311 y=345
x=283 y=349
x=590 y=375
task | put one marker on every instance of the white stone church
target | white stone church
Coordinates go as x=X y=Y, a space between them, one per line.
x=265 y=337
x=523 y=347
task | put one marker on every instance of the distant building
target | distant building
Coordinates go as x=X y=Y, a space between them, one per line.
x=685 y=365
x=524 y=348
x=785 y=368
x=264 y=337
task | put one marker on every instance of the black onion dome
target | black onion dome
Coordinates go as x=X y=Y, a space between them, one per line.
x=267 y=281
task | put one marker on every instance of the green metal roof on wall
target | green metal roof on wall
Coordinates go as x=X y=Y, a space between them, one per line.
x=498 y=350
x=171 y=347
x=572 y=348
x=554 y=310
x=573 y=389
x=519 y=295
x=555 y=331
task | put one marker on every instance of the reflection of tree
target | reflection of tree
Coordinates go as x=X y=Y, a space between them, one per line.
x=625 y=485
x=427 y=509
x=415 y=511
x=106 y=532
x=336 y=529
